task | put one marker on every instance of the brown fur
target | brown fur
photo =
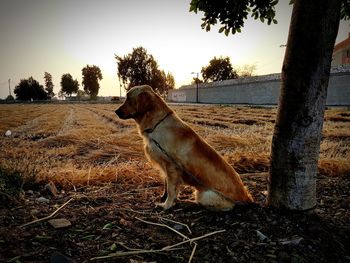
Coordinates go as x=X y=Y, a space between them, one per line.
x=181 y=154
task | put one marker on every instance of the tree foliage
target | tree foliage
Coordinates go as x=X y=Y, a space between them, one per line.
x=218 y=69
x=246 y=70
x=30 y=89
x=49 y=85
x=68 y=85
x=139 y=68
x=91 y=76
x=231 y=14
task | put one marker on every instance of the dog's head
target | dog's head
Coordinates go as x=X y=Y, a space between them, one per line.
x=138 y=101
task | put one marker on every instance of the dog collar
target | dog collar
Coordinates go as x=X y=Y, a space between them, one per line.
x=150 y=130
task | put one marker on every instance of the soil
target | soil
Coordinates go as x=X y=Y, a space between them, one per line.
x=120 y=223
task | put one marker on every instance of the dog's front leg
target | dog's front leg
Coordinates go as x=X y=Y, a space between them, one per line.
x=171 y=181
x=165 y=191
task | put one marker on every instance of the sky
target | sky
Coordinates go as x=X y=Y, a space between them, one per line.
x=64 y=36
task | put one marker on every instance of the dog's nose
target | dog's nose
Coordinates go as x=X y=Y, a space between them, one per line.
x=117 y=111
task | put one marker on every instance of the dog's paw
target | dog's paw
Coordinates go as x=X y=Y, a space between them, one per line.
x=165 y=205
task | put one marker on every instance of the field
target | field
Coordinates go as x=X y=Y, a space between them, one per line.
x=97 y=159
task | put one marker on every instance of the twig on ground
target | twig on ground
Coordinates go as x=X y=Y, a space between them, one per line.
x=136 y=212
x=163 y=225
x=193 y=239
x=167 y=248
x=129 y=253
x=47 y=217
x=192 y=254
x=176 y=222
x=128 y=248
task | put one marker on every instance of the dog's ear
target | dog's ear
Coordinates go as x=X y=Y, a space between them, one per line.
x=144 y=102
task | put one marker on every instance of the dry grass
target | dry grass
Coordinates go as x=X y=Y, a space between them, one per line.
x=79 y=144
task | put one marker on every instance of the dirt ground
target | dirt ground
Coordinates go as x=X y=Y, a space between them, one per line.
x=107 y=191
x=119 y=223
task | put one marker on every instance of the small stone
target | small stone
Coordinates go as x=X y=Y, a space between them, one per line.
x=43 y=200
x=51 y=188
x=260 y=235
x=60 y=223
x=178 y=227
x=291 y=241
x=8 y=133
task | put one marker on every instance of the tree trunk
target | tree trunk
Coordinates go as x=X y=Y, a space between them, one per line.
x=305 y=74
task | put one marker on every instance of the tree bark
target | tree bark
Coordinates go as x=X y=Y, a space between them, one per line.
x=298 y=130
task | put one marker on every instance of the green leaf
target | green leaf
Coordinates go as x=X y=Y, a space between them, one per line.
x=239 y=30
x=113 y=247
x=207 y=28
x=274 y=21
x=203 y=24
x=262 y=19
x=88 y=237
x=227 y=31
x=107 y=226
x=194 y=6
x=274 y=3
x=221 y=29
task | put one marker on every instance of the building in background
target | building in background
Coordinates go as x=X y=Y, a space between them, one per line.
x=341 y=53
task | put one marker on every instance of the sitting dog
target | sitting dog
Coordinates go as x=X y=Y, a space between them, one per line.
x=181 y=154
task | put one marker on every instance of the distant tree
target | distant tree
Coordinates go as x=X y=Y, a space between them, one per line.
x=91 y=76
x=49 y=85
x=68 y=85
x=305 y=75
x=246 y=71
x=139 y=68
x=81 y=94
x=61 y=94
x=30 y=89
x=169 y=81
x=218 y=69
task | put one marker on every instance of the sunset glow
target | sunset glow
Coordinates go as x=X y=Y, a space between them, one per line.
x=64 y=36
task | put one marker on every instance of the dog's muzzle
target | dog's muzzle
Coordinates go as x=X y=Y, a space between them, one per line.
x=122 y=115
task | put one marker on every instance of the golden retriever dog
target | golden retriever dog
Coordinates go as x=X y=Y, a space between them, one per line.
x=181 y=154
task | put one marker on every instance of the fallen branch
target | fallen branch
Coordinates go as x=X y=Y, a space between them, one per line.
x=144 y=212
x=192 y=254
x=167 y=248
x=163 y=225
x=128 y=253
x=193 y=239
x=47 y=217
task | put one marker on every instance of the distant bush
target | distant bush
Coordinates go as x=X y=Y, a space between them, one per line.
x=10 y=98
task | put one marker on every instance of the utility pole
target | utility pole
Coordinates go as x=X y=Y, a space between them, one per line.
x=197 y=80
x=10 y=86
